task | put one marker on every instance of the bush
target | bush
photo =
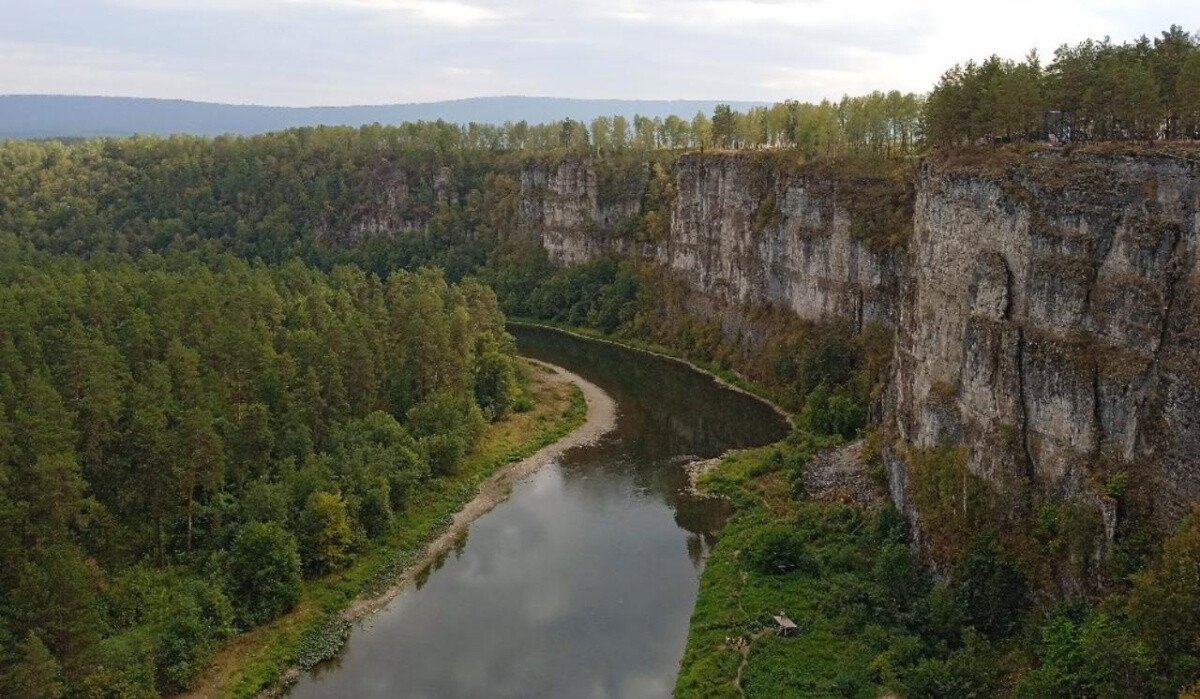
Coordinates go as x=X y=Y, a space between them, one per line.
x=375 y=509
x=124 y=667
x=495 y=383
x=777 y=550
x=1164 y=607
x=992 y=591
x=833 y=413
x=327 y=535
x=444 y=452
x=447 y=427
x=965 y=673
x=1085 y=653
x=37 y=675
x=264 y=568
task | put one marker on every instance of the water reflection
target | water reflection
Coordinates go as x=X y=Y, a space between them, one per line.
x=581 y=584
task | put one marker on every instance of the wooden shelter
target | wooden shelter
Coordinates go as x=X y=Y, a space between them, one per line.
x=783 y=625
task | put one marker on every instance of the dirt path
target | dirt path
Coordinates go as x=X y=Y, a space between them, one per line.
x=601 y=419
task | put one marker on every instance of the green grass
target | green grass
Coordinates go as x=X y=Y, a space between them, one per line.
x=850 y=598
x=313 y=631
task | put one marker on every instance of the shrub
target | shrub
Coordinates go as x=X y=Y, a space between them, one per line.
x=327 y=535
x=965 y=673
x=264 y=568
x=777 y=550
x=992 y=591
x=833 y=413
x=495 y=383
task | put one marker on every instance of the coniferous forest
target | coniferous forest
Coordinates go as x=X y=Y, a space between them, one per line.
x=183 y=443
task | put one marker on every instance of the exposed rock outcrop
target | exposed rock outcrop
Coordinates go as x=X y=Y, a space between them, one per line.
x=1049 y=323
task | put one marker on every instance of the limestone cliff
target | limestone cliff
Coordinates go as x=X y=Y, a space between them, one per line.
x=1049 y=322
x=743 y=230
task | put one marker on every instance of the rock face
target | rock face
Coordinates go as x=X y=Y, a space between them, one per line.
x=1049 y=322
x=748 y=234
x=559 y=205
x=1045 y=307
x=741 y=231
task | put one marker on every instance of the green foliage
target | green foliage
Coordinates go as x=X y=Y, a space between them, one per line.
x=993 y=592
x=446 y=427
x=838 y=414
x=1095 y=90
x=37 y=674
x=495 y=383
x=776 y=551
x=264 y=571
x=167 y=624
x=952 y=502
x=1164 y=606
x=1088 y=652
x=963 y=673
x=245 y=401
x=870 y=618
x=325 y=533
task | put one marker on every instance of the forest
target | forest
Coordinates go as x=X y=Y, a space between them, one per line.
x=274 y=418
x=1093 y=91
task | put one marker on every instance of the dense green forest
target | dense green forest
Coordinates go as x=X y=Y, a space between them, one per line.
x=274 y=420
x=1095 y=90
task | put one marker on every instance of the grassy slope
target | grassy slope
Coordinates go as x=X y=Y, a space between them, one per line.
x=256 y=659
x=840 y=636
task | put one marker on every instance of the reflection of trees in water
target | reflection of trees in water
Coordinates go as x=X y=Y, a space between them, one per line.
x=665 y=411
x=459 y=545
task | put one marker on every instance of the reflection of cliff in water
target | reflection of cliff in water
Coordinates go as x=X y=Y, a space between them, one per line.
x=669 y=413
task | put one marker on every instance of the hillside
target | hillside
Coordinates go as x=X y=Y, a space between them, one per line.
x=75 y=116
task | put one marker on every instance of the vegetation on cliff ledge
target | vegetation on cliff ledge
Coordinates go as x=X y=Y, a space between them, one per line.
x=872 y=619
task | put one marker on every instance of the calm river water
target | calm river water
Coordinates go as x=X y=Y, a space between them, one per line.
x=581 y=584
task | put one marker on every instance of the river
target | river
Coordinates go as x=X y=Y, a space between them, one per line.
x=581 y=584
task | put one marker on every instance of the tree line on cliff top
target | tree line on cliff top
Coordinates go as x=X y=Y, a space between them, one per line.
x=1146 y=89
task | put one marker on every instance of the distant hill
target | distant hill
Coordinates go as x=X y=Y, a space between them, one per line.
x=43 y=116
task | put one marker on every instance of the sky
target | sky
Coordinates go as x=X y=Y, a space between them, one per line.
x=339 y=52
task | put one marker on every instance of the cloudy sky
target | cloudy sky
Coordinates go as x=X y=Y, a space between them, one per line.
x=332 y=52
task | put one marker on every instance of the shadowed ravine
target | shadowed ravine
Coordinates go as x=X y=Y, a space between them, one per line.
x=582 y=582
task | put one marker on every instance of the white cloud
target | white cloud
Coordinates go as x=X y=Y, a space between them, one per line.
x=56 y=69
x=449 y=13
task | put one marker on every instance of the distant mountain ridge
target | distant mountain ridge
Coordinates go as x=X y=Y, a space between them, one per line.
x=72 y=116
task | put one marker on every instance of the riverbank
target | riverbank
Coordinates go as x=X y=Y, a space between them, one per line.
x=568 y=411
x=601 y=418
x=724 y=376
